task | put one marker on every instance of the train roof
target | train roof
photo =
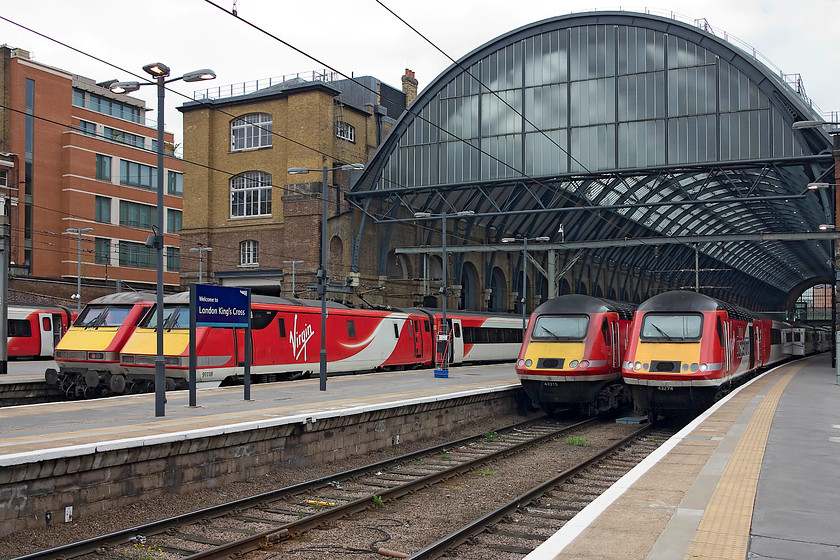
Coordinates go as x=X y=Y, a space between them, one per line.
x=579 y=303
x=123 y=298
x=684 y=300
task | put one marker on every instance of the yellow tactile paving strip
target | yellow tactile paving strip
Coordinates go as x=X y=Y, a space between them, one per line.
x=676 y=492
x=724 y=530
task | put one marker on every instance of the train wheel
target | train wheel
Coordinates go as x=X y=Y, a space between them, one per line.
x=117 y=383
x=51 y=376
x=91 y=378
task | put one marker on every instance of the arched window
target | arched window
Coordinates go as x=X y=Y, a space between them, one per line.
x=250 y=131
x=250 y=194
x=249 y=252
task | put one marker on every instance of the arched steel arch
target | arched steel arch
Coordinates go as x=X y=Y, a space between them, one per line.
x=616 y=125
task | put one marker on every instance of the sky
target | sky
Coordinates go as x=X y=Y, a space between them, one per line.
x=362 y=37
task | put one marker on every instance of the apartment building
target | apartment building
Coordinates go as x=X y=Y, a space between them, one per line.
x=78 y=157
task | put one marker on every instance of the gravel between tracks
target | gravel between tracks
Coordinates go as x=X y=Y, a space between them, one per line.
x=433 y=515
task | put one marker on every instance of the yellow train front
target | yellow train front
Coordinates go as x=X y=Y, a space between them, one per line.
x=572 y=352
x=687 y=350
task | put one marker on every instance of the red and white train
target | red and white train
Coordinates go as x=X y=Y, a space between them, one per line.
x=34 y=330
x=686 y=350
x=285 y=344
x=88 y=357
x=572 y=354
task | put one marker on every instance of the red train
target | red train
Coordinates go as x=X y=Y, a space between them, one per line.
x=286 y=344
x=687 y=350
x=34 y=329
x=571 y=357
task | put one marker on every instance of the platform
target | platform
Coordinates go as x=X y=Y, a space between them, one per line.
x=753 y=477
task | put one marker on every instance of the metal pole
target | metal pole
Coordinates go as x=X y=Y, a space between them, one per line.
x=322 y=284
x=293 y=263
x=160 y=371
x=5 y=248
x=444 y=364
x=79 y=272
x=524 y=280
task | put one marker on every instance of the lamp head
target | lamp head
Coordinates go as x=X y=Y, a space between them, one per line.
x=199 y=75
x=124 y=87
x=542 y=239
x=157 y=69
x=422 y=214
x=508 y=239
x=298 y=171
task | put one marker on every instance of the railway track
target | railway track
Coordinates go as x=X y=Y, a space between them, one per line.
x=261 y=521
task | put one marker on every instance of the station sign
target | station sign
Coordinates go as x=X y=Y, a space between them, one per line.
x=221 y=306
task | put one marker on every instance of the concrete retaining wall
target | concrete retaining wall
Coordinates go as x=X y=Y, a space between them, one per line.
x=96 y=478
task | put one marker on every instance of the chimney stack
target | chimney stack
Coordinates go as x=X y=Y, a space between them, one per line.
x=409 y=86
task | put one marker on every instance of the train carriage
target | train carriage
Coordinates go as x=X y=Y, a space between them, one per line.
x=687 y=349
x=572 y=354
x=33 y=330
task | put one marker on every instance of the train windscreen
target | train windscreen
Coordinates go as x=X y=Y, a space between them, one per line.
x=560 y=327
x=672 y=327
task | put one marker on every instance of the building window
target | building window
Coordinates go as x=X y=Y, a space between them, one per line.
x=124 y=137
x=137 y=255
x=78 y=97
x=173 y=221
x=250 y=194
x=345 y=131
x=249 y=252
x=175 y=183
x=137 y=215
x=107 y=106
x=87 y=127
x=103 y=209
x=102 y=251
x=4 y=177
x=251 y=131
x=173 y=258
x=103 y=167
x=138 y=175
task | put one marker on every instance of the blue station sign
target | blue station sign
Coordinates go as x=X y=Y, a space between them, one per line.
x=221 y=306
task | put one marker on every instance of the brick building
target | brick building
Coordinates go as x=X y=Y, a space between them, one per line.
x=260 y=222
x=80 y=157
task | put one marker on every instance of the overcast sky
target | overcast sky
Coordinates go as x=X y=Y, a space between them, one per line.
x=361 y=37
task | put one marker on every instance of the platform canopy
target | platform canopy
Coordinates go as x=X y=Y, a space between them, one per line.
x=653 y=144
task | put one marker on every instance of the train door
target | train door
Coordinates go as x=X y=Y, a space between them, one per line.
x=49 y=326
x=753 y=342
x=457 y=341
x=416 y=326
x=728 y=346
x=616 y=345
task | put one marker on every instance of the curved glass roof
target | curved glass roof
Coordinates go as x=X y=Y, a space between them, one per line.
x=621 y=126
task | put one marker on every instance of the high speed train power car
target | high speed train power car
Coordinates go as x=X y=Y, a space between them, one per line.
x=572 y=353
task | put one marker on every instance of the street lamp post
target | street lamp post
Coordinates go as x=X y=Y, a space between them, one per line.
x=200 y=251
x=78 y=295
x=322 y=272
x=293 y=263
x=159 y=73
x=835 y=136
x=524 y=241
x=443 y=367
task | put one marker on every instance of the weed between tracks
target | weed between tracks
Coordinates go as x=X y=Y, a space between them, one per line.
x=139 y=551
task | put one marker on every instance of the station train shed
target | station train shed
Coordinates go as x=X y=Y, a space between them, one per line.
x=653 y=155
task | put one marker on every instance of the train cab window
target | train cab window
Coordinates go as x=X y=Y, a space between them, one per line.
x=115 y=316
x=351 y=329
x=281 y=327
x=669 y=327
x=261 y=318
x=560 y=327
x=177 y=318
x=605 y=332
x=426 y=326
x=457 y=331
x=396 y=331
x=89 y=316
x=719 y=329
x=19 y=327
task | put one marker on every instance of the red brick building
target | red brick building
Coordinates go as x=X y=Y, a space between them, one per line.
x=80 y=157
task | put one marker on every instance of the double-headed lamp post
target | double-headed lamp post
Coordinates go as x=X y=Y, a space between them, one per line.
x=293 y=263
x=200 y=251
x=524 y=241
x=322 y=272
x=443 y=368
x=160 y=73
x=78 y=295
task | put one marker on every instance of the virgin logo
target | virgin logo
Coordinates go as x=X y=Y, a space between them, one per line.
x=298 y=340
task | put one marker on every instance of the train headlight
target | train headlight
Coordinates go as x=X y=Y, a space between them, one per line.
x=573 y=364
x=694 y=368
x=704 y=367
x=529 y=362
x=637 y=366
x=96 y=355
x=520 y=363
x=584 y=363
x=127 y=358
x=172 y=361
